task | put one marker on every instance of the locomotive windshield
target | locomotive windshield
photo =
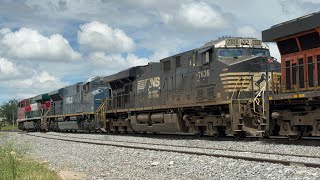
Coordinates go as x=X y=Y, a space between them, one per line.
x=241 y=52
x=231 y=52
x=260 y=52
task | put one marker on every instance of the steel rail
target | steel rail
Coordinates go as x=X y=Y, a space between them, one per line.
x=255 y=159
x=195 y=147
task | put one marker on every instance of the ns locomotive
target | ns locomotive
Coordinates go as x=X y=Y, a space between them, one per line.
x=217 y=89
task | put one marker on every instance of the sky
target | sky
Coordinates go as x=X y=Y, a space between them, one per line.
x=48 y=44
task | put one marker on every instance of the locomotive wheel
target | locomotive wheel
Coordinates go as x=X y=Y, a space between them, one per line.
x=220 y=133
x=295 y=137
x=200 y=132
x=266 y=134
x=240 y=135
x=300 y=134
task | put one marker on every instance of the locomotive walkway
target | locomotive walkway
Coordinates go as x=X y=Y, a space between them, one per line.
x=287 y=159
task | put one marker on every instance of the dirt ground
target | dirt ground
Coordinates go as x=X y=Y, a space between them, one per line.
x=69 y=175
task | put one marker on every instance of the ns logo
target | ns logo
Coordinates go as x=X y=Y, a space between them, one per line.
x=154 y=82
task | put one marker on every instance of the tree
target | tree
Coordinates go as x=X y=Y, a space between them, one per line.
x=9 y=110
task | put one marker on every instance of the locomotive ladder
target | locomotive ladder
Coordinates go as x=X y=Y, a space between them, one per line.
x=234 y=90
x=243 y=81
x=100 y=115
x=261 y=93
x=238 y=98
x=44 y=122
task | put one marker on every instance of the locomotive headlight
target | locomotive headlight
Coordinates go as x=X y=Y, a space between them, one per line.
x=226 y=116
x=275 y=115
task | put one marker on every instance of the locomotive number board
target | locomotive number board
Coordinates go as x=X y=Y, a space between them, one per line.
x=239 y=42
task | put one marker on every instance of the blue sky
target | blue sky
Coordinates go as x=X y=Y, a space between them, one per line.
x=47 y=44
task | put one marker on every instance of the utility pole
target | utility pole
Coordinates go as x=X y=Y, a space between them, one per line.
x=13 y=117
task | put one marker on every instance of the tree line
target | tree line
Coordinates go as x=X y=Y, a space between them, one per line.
x=9 y=110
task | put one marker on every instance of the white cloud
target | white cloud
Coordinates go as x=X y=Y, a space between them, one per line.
x=22 y=80
x=116 y=61
x=97 y=36
x=46 y=81
x=274 y=51
x=201 y=15
x=4 y=31
x=311 y=1
x=158 y=55
x=6 y=67
x=38 y=82
x=166 y=18
x=31 y=45
x=45 y=77
x=248 y=31
x=10 y=70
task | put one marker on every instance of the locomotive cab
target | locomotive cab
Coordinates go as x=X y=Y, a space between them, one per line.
x=241 y=64
x=246 y=55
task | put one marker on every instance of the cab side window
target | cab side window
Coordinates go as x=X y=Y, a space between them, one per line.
x=203 y=58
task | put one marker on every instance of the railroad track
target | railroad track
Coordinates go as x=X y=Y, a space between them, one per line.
x=305 y=141
x=192 y=147
x=277 y=158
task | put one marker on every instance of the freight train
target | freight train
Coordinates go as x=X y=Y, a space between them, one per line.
x=229 y=86
x=212 y=90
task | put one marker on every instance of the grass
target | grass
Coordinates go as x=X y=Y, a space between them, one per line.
x=16 y=166
x=9 y=127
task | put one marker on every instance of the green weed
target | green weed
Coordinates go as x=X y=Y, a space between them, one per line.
x=16 y=166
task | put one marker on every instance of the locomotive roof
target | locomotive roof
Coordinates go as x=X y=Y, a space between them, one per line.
x=235 y=42
x=127 y=73
x=221 y=42
x=291 y=27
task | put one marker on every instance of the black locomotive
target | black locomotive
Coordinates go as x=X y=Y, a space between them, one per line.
x=216 y=89
x=211 y=90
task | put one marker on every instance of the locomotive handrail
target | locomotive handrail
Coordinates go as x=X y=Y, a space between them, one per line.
x=256 y=100
x=239 y=94
x=234 y=89
x=101 y=107
x=46 y=113
x=44 y=116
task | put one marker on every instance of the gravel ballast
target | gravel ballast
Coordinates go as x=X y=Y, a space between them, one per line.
x=107 y=162
x=261 y=146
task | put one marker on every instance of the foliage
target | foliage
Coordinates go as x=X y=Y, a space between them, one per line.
x=8 y=127
x=9 y=110
x=14 y=165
